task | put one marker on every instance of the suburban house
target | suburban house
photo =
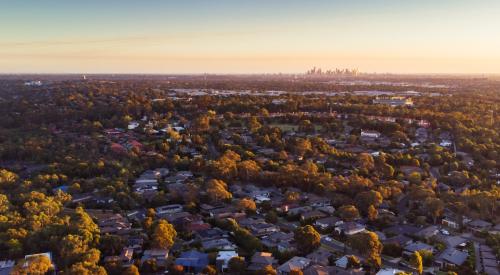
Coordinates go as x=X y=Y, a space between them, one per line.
x=451 y=257
x=162 y=211
x=261 y=229
x=192 y=261
x=393 y=101
x=328 y=222
x=368 y=134
x=479 y=226
x=260 y=260
x=280 y=240
x=312 y=215
x=160 y=255
x=27 y=259
x=400 y=239
x=349 y=228
x=416 y=246
x=295 y=263
x=320 y=256
x=222 y=260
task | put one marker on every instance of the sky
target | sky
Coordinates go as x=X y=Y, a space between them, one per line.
x=254 y=36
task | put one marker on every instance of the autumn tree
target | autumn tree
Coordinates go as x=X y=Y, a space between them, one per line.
x=248 y=170
x=209 y=270
x=217 y=190
x=372 y=213
x=131 y=270
x=368 y=198
x=296 y=271
x=416 y=262
x=369 y=245
x=267 y=270
x=246 y=204
x=236 y=264
x=34 y=265
x=7 y=178
x=163 y=235
x=353 y=261
x=307 y=238
x=348 y=212
x=434 y=207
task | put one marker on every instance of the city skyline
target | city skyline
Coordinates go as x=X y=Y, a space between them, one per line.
x=249 y=37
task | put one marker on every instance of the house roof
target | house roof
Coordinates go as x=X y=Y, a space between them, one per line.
x=416 y=246
x=313 y=214
x=399 y=239
x=453 y=256
x=265 y=258
x=192 y=258
x=320 y=256
x=454 y=241
x=294 y=263
x=328 y=220
x=402 y=229
x=479 y=224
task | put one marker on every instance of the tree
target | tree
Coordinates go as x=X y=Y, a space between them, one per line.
x=353 y=261
x=372 y=213
x=176 y=269
x=4 y=204
x=87 y=269
x=368 y=198
x=34 y=265
x=267 y=270
x=366 y=161
x=348 y=212
x=434 y=207
x=291 y=196
x=296 y=272
x=236 y=265
x=163 y=235
x=246 y=204
x=369 y=245
x=254 y=124
x=415 y=178
x=7 y=178
x=307 y=238
x=131 y=270
x=149 y=266
x=416 y=262
x=209 y=270
x=217 y=190
x=248 y=170
x=271 y=217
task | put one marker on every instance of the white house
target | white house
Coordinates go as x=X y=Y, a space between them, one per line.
x=223 y=258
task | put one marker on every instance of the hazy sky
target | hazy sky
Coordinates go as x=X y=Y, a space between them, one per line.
x=215 y=36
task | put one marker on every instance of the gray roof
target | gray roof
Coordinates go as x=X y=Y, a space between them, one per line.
x=479 y=224
x=416 y=246
x=453 y=256
x=294 y=263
